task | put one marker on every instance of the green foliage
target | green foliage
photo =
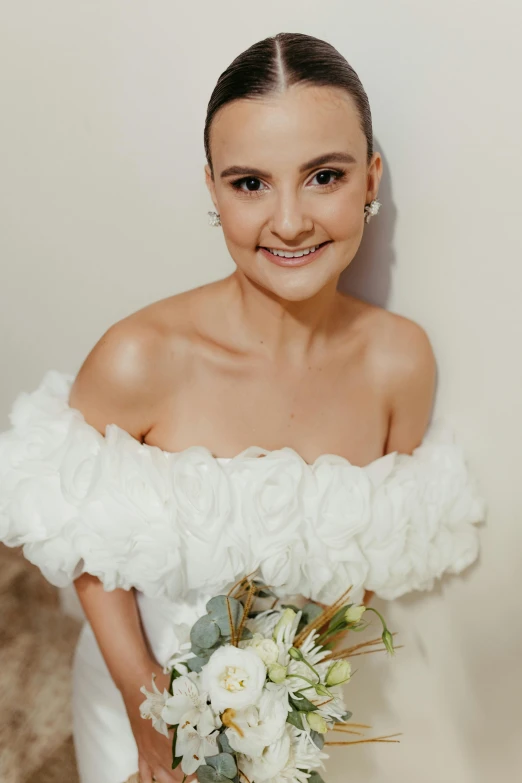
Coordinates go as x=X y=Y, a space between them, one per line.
x=347 y=715
x=295 y=718
x=302 y=704
x=317 y=738
x=207 y=774
x=205 y=632
x=224 y=744
x=217 y=609
x=224 y=763
x=176 y=760
x=315 y=777
x=196 y=664
x=311 y=612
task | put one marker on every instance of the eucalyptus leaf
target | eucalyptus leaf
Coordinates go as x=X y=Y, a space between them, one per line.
x=311 y=611
x=224 y=744
x=217 y=609
x=196 y=664
x=207 y=774
x=224 y=763
x=347 y=715
x=205 y=632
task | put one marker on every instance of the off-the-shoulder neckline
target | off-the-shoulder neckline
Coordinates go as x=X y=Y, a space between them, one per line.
x=58 y=384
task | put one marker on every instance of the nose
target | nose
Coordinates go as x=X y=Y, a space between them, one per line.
x=289 y=220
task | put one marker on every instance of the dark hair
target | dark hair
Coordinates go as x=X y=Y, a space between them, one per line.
x=276 y=63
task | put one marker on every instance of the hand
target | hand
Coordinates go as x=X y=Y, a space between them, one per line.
x=154 y=749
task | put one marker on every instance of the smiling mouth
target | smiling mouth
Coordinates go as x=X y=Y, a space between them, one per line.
x=296 y=253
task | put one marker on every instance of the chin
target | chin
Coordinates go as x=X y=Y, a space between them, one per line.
x=297 y=287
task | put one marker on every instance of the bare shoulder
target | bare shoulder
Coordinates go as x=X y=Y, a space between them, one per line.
x=402 y=361
x=131 y=368
x=117 y=382
x=401 y=348
x=396 y=345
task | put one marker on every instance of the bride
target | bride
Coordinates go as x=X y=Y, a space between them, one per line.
x=265 y=419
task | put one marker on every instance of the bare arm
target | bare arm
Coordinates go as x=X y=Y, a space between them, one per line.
x=117 y=384
x=108 y=389
x=115 y=621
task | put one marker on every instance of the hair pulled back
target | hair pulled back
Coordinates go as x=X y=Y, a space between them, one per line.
x=276 y=63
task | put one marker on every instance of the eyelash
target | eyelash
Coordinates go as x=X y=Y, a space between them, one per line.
x=339 y=175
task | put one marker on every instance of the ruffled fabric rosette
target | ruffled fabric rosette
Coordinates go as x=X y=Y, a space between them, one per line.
x=187 y=524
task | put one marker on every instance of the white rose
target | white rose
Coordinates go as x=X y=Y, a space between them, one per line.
x=344 y=494
x=233 y=678
x=281 y=560
x=397 y=536
x=203 y=503
x=340 y=577
x=274 y=490
x=267 y=649
x=137 y=474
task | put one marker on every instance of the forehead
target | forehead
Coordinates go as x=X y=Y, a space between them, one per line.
x=288 y=127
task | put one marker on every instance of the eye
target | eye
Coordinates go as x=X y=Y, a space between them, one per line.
x=329 y=176
x=248 y=185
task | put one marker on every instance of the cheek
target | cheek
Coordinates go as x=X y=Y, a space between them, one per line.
x=241 y=223
x=341 y=217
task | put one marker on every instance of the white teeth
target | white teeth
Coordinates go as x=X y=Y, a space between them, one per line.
x=285 y=254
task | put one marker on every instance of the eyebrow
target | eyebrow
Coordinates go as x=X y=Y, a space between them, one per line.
x=330 y=157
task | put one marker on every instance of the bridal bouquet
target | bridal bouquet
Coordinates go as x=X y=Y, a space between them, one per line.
x=254 y=692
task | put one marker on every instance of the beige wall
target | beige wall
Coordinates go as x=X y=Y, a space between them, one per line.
x=103 y=210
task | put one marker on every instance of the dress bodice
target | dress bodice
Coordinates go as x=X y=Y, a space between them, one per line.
x=185 y=525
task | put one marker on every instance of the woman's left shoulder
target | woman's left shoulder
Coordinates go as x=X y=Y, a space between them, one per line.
x=398 y=346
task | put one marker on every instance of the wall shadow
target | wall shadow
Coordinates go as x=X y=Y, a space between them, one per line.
x=370 y=273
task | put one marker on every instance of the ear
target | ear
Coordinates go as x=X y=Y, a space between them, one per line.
x=374 y=176
x=210 y=185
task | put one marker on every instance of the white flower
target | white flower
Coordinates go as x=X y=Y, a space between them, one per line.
x=233 y=677
x=301 y=753
x=286 y=627
x=274 y=758
x=187 y=704
x=153 y=706
x=194 y=744
x=259 y=726
x=267 y=649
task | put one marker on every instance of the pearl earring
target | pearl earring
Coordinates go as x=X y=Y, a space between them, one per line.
x=371 y=209
x=214 y=218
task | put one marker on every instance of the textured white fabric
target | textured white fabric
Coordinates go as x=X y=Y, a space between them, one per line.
x=181 y=527
x=178 y=525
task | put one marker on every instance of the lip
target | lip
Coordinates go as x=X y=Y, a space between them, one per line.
x=301 y=261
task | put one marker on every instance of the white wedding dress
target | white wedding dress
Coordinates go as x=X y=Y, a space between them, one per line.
x=181 y=527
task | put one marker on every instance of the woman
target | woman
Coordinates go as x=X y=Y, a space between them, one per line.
x=246 y=422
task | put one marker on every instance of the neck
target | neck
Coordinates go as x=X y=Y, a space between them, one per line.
x=278 y=327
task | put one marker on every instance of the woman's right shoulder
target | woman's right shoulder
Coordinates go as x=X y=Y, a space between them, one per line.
x=126 y=374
